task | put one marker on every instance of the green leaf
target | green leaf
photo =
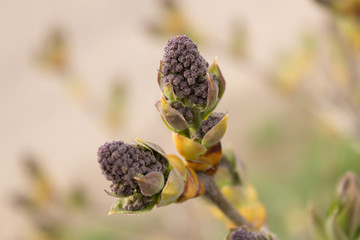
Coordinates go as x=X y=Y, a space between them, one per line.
x=333 y=228
x=178 y=165
x=169 y=92
x=215 y=69
x=172 y=117
x=318 y=224
x=151 y=183
x=159 y=74
x=212 y=97
x=348 y=197
x=216 y=133
x=152 y=147
x=173 y=189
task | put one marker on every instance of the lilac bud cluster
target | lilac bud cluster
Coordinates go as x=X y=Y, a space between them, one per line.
x=208 y=124
x=186 y=70
x=244 y=234
x=185 y=111
x=120 y=163
x=137 y=202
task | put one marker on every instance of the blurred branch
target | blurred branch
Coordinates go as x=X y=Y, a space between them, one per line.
x=346 y=98
x=348 y=53
x=213 y=193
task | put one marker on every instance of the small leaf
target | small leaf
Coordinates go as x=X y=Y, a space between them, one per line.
x=178 y=165
x=198 y=166
x=187 y=147
x=159 y=74
x=212 y=97
x=212 y=155
x=215 y=69
x=333 y=228
x=151 y=183
x=349 y=203
x=318 y=224
x=112 y=194
x=172 y=117
x=172 y=190
x=169 y=92
x=348 y=217
x=167 y=125
x=192 y=186
x=152 y=146
x=216 y=133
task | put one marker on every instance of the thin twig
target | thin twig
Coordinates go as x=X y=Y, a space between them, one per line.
x=213 y=193
x=346 y=97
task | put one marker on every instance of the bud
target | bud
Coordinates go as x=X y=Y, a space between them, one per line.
x=348 y=206
x=190 y=92
x=212 y=129
x=131 y=169
x=185 y=70
x=343 y=220
x=215 y=73
x=231 y=170
x=243 y=233
x=143 y=176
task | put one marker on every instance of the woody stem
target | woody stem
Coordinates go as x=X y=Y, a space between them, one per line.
x=212 y=193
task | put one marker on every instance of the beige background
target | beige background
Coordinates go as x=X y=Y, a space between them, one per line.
x=108 y=39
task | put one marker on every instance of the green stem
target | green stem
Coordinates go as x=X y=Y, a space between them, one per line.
x=196 y=123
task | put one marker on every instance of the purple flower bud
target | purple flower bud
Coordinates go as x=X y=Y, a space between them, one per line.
x=120 y=163
x=189 y=70
x=185 y=111
x=244 y=234
x=208 y=124
x=137 y=202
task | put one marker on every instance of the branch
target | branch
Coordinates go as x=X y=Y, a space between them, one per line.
x=213 y=193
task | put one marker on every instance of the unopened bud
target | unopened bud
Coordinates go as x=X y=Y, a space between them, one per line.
x=212 y=129
x=185 y=70
x=137 y=173
x=348 y=195
x=244 y=234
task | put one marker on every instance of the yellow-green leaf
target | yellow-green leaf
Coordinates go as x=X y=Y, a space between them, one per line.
x=172 y=190
x=187 y=147
x=172 y=117
x=216 y=133
x=178 y=165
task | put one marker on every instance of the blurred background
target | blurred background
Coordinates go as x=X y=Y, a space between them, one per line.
x=75 y=74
